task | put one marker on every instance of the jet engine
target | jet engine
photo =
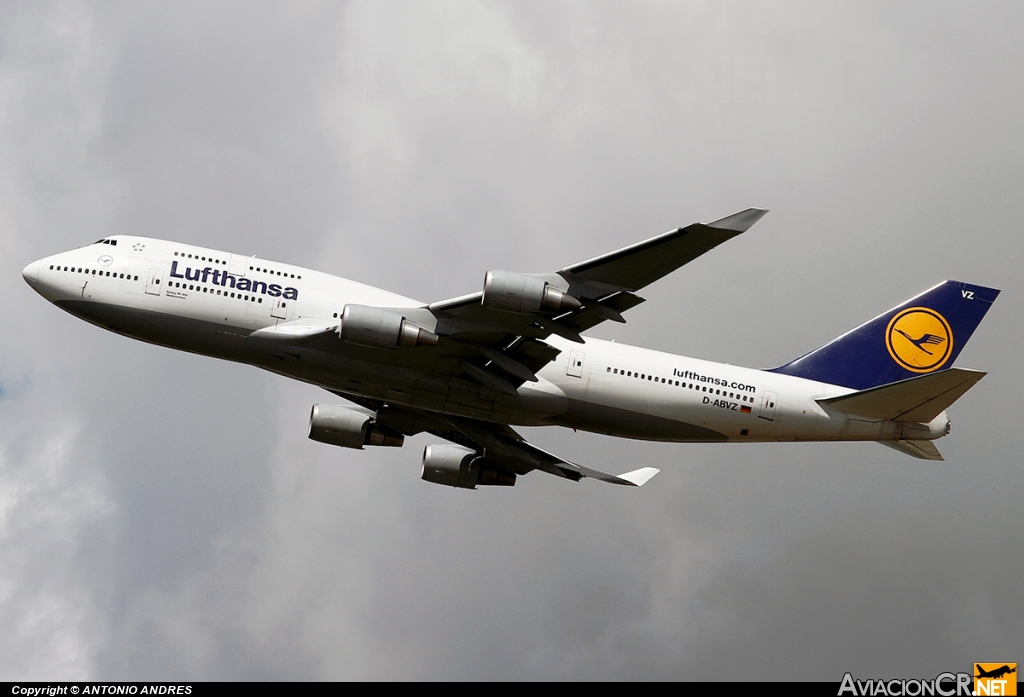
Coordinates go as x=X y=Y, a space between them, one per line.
x=335 y=424
x=517 y=292
x=453 y=465
x=374 y=326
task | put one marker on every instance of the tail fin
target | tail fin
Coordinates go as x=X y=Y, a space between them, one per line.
x=922 y=335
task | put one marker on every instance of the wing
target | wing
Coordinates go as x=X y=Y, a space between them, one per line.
x=497 y=444
x=505 y=324
x=637 y=266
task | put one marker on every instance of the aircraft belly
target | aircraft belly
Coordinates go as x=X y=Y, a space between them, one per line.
x=173 y=331
x=626 y=423
x=420 y=389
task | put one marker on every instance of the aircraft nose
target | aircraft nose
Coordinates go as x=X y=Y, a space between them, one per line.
x=31 y=273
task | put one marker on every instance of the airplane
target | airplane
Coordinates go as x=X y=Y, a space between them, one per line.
x=994 y=673
x=469 y=369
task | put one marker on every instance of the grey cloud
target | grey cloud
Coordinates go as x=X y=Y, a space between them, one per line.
x=163 y=515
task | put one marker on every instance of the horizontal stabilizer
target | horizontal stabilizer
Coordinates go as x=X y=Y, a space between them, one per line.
x=918 y=399
x=921 y=449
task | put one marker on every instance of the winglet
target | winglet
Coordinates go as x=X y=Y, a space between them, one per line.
x=641 y=476
x=739 y=222
x=635 y=478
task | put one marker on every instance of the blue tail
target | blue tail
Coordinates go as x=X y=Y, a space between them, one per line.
x=924 y=334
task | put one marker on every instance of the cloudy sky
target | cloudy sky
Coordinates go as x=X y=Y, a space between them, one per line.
x=163 y=516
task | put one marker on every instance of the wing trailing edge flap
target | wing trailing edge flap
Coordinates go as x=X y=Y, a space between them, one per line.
x=918 y=399
x=505 y=368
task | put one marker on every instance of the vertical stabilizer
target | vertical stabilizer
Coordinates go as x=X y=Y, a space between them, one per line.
x=923 y=335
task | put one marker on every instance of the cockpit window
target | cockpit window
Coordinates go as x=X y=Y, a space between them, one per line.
x=113 y=242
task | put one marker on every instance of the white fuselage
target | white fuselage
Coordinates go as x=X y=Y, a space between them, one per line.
x=210 y=302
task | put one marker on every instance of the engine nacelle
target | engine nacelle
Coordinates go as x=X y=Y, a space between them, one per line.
x=453 y=465
x=517 y=292
x=373 y=326
x=335 y=424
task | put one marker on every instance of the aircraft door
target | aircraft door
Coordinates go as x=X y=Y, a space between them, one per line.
x=236 y=265
x=154 y=283
x=768 y=406
x=574 y=368
x=279 y=309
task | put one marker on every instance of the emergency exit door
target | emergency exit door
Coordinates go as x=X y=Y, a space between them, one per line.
x=154 y=282
x=574 y=368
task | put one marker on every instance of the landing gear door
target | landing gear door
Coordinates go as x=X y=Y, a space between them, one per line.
x=574 y=368
x=768 y=406
x=155 y=281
